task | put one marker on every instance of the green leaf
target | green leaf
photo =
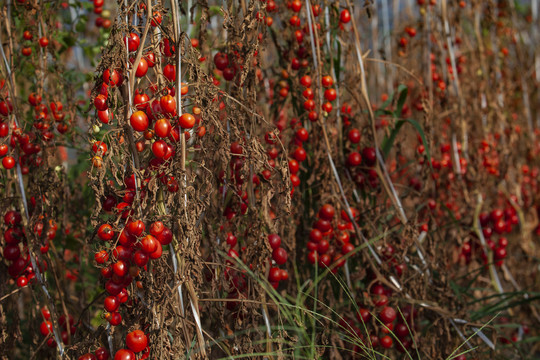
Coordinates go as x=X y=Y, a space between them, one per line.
x=387 y=102
x=337 y=68
x=81 y=25
x=402 y=91
x=389 y=141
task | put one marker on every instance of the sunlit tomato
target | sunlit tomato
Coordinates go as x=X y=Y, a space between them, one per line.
x=46 y=328
x=139 y=121
x=5 y=107
x=142 y=68
x=105 y=116
x=124 y=354
x=140 y=100
x=327 y=106
x=159 y=149
x=354 y=136
x=136 y=341
x=186 y=121
x=345 y=16
x=111 y=303
x=327 y=81
x=166 y=236
x=101 y=353
x=354 y=159
x=101 y=257
x=156 y=19
x=100 y=102
x=3 y=149
x=88 y=356
x=330 y=94
x=162 y=128
x=133 y=41
x=168 y=104
x=34 y=99
x=327 y=212
x=8 y=162
x=169 y=71
x=149 y=244
x=112 y=77
x=168 y=47
x=150 y=59
x=296 y=5
x=105 y=232
x=43 y=42
x=99 y=147
x=305 y=81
